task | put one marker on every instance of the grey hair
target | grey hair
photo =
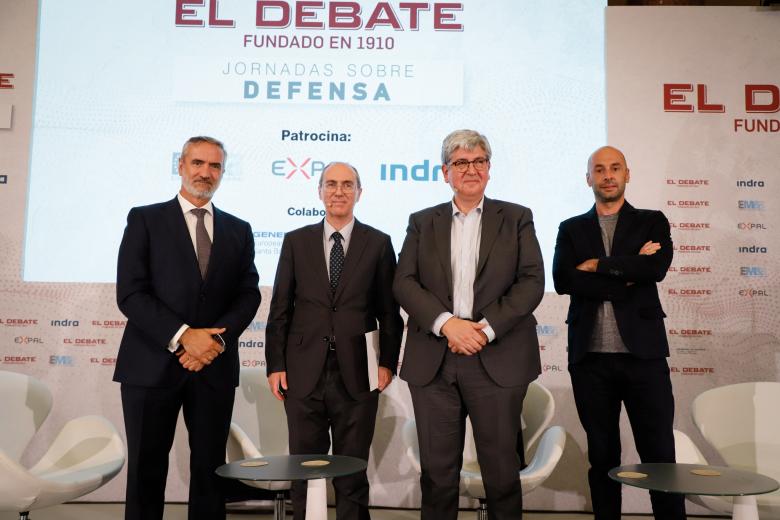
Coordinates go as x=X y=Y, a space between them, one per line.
x=466 y=139
x=334 y=163
x=204 y=139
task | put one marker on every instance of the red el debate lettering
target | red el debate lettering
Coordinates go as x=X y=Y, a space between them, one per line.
x=5 y=80
x=751 y=104
x=186 y=17
x=674 y=100
x=347 y=15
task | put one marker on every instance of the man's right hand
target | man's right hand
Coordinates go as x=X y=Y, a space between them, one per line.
x=278 y=380
x=464 y=336
x=200 y=344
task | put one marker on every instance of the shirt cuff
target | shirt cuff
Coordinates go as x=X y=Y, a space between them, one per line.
x=488 y=330
x=439 y=322
x=173 y=345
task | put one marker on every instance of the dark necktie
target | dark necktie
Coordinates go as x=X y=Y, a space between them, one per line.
x=202 y=241
x=336 y=260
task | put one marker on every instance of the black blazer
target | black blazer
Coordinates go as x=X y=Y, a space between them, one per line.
x=508 y=286
x=625 y=278
x=304 y=312
x=159 y=288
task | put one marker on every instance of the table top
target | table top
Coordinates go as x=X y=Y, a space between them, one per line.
x=677 y=478
x=288 y=467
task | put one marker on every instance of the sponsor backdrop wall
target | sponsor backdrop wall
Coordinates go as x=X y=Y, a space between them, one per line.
x=95 y=103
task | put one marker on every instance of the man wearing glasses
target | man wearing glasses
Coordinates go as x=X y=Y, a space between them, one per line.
x=470 y=275
x=333 y=284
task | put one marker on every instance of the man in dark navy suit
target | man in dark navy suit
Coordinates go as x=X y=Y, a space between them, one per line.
x=333 y=284
x=609 y=260
x=187 y=282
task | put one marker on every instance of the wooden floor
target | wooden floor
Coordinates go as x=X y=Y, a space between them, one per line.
x=179 y=512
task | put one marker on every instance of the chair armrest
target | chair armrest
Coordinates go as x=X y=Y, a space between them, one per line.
x=546 y=457
x=239 y=445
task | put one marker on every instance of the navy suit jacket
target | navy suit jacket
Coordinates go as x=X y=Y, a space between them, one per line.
x=625 y=278
x=159 y=288
x=304 y=312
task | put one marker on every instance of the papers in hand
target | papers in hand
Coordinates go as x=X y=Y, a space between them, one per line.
x=372 y=354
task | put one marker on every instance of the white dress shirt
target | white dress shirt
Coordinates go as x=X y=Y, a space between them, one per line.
x=192 y=221
x=465 y=235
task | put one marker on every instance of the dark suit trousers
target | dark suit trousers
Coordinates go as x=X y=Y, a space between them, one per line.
x=462 y=387
x=330 y=407
x=150 y=424
x=601 y=381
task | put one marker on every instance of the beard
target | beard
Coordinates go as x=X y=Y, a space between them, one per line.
x=604 y=197
x=201 y=190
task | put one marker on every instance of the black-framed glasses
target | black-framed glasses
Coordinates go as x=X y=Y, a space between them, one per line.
x=462 y=165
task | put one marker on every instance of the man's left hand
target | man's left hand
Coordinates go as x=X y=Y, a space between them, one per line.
x=189 y=362
x=385 y=378
x=589 y=266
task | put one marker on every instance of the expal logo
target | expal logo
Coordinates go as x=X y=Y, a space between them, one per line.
x=305 y=167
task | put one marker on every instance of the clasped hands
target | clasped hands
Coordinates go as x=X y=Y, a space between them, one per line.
x=464 y=336
x=592 y=264
x=200 y=348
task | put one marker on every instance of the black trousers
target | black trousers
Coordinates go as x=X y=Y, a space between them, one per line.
x=309 y=421
x=601 y=382
x=463 y=388
x=150 y=424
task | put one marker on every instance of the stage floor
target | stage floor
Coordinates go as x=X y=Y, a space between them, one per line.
x=179 y=512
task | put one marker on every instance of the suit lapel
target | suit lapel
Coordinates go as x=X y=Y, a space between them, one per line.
x=357 y=244
x=442 y=229
x=624 y=224
x=492 y=218
x=317 y=257
x=217 y=242
x=181 y=236
x=592 y=234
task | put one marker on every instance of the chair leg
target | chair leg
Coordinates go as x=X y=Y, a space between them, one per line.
x=279 y=512
x=482 y=513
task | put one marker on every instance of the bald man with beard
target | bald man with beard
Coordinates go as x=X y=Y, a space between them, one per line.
x=609 y=260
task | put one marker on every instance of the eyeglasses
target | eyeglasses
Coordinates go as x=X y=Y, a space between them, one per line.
x=462 y=165
x=332 y=187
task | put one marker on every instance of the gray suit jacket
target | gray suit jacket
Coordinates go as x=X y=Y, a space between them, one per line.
x=509 y=284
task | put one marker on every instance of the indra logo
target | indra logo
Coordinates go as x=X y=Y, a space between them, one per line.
x=305 y=167
x=64 y=323
x=752 y=249
x=250 y=343
x=421 y=172
x=750 y=183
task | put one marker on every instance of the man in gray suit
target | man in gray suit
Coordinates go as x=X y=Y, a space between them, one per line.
x=470 y=275
x=333 y=284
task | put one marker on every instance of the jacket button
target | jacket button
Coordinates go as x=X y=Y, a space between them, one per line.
x=333 y=309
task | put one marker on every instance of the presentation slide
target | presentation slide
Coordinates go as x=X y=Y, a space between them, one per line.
x=290 y=86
